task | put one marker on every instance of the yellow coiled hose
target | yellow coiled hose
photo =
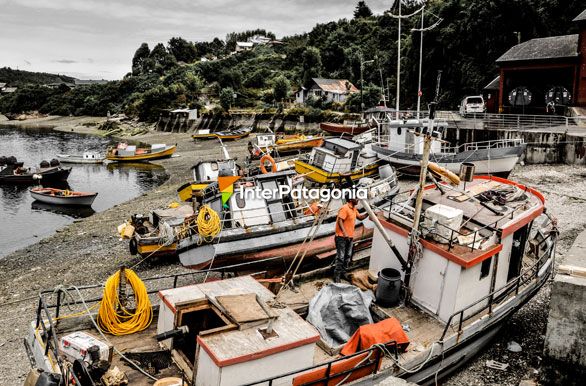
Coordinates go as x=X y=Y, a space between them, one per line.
x=115 y=318
x=209 y=224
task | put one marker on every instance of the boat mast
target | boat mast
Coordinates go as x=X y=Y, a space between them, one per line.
x=398 y=64
x=420 y=63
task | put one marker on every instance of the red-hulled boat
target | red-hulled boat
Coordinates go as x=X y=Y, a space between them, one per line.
x=340 y=128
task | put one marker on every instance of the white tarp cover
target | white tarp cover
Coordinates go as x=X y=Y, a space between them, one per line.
x=337 y=311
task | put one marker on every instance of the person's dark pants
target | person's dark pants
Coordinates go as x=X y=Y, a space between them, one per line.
x=343 y=256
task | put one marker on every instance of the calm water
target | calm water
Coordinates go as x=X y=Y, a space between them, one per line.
x=24 y=221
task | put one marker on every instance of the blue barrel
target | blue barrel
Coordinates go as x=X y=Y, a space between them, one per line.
x=388 y=289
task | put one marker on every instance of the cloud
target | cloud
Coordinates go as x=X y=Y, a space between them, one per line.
x=65 y=61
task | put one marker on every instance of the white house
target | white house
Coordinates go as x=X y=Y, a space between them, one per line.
x=244 y=46
x=331 y=90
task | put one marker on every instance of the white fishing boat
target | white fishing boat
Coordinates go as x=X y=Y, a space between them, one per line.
x=63 y=196
x=397 y=145
x=250 y=227
x=88 y=157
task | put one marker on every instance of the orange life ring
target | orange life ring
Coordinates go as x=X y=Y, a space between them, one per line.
x=264 y=158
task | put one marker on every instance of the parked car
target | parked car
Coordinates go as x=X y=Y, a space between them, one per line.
x=472 y=105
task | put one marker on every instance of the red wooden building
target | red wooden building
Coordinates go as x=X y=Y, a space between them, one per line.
x=543 y=75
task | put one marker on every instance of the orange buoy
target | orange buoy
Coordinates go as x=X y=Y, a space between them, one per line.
x=264 y=158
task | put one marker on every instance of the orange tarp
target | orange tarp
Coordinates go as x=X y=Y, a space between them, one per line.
x=382 y=332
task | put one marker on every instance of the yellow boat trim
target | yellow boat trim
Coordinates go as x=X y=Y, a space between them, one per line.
x=186 y=193
x=318 y=175
x=143 y=157
x=146 y=249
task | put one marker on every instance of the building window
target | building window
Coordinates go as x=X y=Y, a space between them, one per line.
x=485 y=268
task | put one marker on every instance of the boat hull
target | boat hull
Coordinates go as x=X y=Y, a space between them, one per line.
x=168 y=152
x=322 y=177
x=286 y=245
x=295 y=146
x=72 y=159
x=85 y=200
x=499 y=161
x=50 y=175
x=337 y=128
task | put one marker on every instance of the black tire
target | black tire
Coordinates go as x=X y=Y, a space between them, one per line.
x=133 y=246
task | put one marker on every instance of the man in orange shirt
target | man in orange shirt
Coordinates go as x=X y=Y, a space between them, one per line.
x=345 y=223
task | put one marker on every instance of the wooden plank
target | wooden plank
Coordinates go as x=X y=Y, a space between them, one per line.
x=243 y=308
x=572 y=270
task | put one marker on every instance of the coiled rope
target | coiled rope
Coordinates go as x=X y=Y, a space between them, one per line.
x=114 y=317
x=209 y=224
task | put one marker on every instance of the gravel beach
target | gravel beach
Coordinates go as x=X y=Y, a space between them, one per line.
x=89 y=250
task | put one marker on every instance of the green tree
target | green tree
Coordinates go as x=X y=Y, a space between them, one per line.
x=226 y=98
x=182 y=50
x=281 y=88
x=311 y=65
x=162 y=59
x=362 y=10
x=138 y=61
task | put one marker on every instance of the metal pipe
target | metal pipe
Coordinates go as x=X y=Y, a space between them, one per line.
x=386 y=237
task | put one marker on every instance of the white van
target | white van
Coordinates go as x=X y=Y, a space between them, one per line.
x=472 y=105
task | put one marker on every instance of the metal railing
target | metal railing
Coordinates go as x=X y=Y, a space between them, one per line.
x=524 y=277
x=331 y=374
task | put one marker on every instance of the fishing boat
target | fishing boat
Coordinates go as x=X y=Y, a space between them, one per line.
x=484 y=250
x=88 y=157
x=337 y=160
x=63 y=196
x=130 y=153
x=401 y=148
x=232 y=134
x=248 y=225
x=342 y=128
x=14 y=172
x=205 y=173
x=269 y=143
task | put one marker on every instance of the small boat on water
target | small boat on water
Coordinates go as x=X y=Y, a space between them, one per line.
x=343 y=128
x=398 y=145
x=14 y=172
x=63 y=196
x=88 y=157
x=270 y=143
x=130 y=153
x=337 y=160
x=226 y=135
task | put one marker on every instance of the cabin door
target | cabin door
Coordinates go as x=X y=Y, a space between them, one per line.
x=517 y=252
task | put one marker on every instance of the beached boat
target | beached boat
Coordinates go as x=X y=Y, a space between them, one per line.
x=226 y=135
x=249 y=224
x=483 y=253
x=342 y=128
x=398 y=145
x=88 y=157
x=130 y=153
x=269 y=143
x=337 y=160
x=13 y=172
x=63 y=196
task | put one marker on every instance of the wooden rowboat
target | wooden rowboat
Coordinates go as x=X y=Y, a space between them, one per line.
x=88 y=157
x=339 y=128
x=134 y=154
x=224 y=135
x=63 y=197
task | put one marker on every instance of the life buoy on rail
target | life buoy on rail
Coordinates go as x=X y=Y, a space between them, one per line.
x=264 y=158
x=444 y=173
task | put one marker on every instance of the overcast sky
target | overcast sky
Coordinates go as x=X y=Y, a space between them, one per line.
x=94 y=39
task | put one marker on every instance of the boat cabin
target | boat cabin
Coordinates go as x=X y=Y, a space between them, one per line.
x=401 y=135
x=264 y=140
x=473 y=241
x=340 y=155
x=232 y=333
x=211 y=170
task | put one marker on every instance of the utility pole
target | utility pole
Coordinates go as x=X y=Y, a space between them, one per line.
x=382 y=82
x=362 y=63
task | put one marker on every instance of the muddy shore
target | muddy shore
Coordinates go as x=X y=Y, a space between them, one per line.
x=89 y=250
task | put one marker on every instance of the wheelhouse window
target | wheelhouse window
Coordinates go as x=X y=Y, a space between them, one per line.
x=485 y=268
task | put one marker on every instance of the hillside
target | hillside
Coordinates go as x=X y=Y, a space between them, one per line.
x=18 y=78
x=180 y=73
